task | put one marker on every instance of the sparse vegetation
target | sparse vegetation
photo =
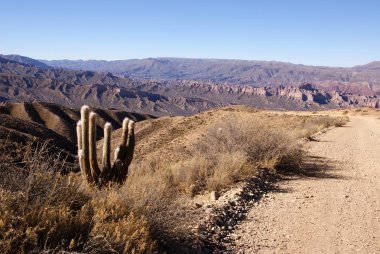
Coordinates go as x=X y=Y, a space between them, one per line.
x=363 y=111
x=42 y=210
x=312 y=125
x=233 y=150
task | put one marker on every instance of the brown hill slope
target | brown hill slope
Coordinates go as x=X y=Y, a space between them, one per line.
x=176 y=138
x=21 y=131
x=21 y=123
x=22 y=139
x=172 y=138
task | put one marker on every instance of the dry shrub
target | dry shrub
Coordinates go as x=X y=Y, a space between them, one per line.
x=229 y=169
x=148 y=186
x=320 y=121
x=341 y=121
x=42 y=214
x=114 y=224
x=228 y=151
x=204 y=173
x=233 y=150
x=47 y=211
x=310 y=125
x=190 y=176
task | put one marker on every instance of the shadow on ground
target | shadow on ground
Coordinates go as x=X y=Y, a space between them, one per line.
x=313 y=167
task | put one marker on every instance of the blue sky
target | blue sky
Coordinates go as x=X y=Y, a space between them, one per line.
x=315 y=32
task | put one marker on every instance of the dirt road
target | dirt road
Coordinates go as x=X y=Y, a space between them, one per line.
x=334 y=209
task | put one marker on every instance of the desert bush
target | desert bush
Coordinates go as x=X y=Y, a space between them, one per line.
x=114 y=223
x=47 y=211
x=230 y=168
x=42 y=213
x=341 y=121
x=233 y=150
x=310 y=125
x=320 y=121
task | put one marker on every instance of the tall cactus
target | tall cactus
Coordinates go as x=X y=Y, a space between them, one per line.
x=86 y=134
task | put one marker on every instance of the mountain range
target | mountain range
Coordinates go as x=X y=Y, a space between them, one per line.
x=167 y=86
x=364 y=79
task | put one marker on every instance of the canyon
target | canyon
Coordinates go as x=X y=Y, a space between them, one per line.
x=24 y=79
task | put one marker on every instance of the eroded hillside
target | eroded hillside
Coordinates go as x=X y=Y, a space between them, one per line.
x=27 y=82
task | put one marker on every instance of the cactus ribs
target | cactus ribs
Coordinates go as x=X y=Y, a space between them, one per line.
x=107 y=173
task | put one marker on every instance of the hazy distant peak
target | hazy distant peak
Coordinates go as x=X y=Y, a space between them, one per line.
x=25 y=60
x=371 y=65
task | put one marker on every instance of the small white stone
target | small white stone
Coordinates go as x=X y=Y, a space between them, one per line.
x=214 y=195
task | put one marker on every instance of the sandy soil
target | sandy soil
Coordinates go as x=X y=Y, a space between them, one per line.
x=334 y=208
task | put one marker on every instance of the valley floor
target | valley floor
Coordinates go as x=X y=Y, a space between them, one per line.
x=334 y=208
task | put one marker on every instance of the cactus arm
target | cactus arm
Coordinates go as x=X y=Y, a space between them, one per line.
x=117 y=170
x=128 y=154
x=124 y=136
x=130 y=145
x=80 y=152
x=116 y=153
x=85 y=112
x=120 y=150
x=79 y=134
x=106 y=160
x=95 y=171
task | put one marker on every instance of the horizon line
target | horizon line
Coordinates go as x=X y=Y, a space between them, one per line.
x=194 y=58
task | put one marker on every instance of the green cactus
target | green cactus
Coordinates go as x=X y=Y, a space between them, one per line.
x=86 y=134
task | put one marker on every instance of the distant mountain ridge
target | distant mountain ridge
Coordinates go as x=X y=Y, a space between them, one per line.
x=25 y=60
x=362 y=79
x=27 y=83
x=20 y=82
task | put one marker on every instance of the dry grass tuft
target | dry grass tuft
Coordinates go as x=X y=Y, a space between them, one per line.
x=311 y=125
x=236 y=148
x=45 y=211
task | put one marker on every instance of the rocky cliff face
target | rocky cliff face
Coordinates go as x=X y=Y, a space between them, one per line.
x=305 y=96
